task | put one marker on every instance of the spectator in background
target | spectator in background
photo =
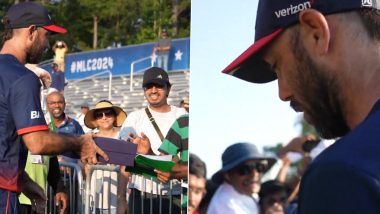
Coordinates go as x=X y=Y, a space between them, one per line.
x=295 y=147
x=273 y=197
x=197 y=183
x=162 y=50
x=307 y=148
x=138 y=124
x=239 y=180
x=174 y=144
x=107 y=117
x=58 y=78
x=60 y=122
x=185 y=104
x=60 y=49
x=44 y=169
x=211 y=188
x=84 y=108
x=45 y=79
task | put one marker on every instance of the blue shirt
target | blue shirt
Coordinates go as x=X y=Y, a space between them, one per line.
x=20 y=113
x=70 y=126
x=345 y=178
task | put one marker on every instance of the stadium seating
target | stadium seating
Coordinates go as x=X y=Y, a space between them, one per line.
x=97 y=88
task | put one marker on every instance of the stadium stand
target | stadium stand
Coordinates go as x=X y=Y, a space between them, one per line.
x=97 y=88
x=106 y=74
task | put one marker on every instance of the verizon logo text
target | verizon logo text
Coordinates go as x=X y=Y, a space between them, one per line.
x=292 y=9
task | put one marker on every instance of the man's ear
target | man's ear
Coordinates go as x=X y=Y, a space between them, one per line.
x=32 y=32
x=314 y=30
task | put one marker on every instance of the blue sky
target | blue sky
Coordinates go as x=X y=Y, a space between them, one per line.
x=224 y=109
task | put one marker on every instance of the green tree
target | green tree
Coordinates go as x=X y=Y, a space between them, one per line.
x=97 y=24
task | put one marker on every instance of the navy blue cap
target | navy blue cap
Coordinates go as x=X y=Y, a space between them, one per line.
x=24 y=14
x=273 y=17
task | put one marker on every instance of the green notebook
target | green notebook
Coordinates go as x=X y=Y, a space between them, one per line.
x=145 y=164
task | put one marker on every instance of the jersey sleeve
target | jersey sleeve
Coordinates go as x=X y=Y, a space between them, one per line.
x=25 y=105
x=337 y=188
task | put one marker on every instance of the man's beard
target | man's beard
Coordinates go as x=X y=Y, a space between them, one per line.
x=35 y=53
x=57 y=115
x=318 y=91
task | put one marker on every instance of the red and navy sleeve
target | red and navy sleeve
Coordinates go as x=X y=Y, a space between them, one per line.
x=25 y=105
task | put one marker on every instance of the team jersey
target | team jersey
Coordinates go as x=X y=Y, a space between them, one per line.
x=345 y=178
x=20 y=113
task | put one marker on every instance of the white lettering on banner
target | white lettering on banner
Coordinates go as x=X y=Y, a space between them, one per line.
x=35 y=114
x=367 y=3
x=94 y=64
x=292 y=9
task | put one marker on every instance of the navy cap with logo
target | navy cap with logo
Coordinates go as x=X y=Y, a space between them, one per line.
x=25 y=14
x=155 y=75
x=273 y=17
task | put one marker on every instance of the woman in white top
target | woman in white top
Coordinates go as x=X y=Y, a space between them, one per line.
x=108 y=189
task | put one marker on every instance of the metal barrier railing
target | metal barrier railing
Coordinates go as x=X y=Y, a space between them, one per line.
x=166 y=199
x=83 y=200
x=96 y=195
x=74 y=186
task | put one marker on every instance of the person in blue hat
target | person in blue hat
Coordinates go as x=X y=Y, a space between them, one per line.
x=239 y=180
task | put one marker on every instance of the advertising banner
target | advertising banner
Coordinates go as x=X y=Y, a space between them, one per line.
x=120 y=61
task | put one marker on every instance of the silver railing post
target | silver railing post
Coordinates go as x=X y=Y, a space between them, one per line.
x=133 y=69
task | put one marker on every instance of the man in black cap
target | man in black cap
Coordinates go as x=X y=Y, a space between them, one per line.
x=153 y=122
x=325 y=54
x=22 y=123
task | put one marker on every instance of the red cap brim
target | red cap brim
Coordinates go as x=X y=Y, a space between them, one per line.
x=253 y=49
x=55 y=29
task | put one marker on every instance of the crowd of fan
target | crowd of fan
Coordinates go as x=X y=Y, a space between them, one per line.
x=108 y=120
x=250 y=182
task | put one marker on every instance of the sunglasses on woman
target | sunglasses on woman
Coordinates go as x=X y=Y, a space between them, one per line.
x=106 y=112
x=248 y=168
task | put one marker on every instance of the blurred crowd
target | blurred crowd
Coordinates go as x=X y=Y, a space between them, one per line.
x=250 y=182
